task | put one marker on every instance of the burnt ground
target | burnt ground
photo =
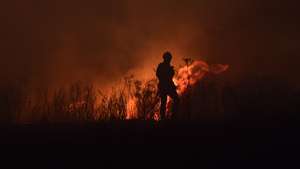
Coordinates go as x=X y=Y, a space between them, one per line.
x=143 y=144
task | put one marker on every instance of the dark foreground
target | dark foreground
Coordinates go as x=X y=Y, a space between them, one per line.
x=144 y=144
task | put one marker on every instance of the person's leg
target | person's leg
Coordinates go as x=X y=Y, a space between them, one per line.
x=163 y=104
x=174 y=96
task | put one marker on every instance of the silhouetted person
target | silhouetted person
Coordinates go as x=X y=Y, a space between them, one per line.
x=166 y=86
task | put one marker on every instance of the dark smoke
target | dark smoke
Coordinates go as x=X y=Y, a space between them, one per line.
x=55 y=42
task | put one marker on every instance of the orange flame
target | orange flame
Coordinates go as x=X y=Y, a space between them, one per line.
x=131 y=111
x=191 y=74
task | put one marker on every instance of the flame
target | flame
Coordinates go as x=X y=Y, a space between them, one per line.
x=191 y=74
x=131 y=111
x=156 y=116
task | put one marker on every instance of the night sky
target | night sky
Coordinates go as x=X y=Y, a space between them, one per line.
x=54 y=42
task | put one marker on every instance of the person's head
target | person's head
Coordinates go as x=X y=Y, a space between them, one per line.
x=167 y=56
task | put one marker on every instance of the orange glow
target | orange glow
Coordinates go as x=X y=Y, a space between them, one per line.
x=74 y=106
x=187 y=76
x=156 y=116
x=193 y=73
x=131 y=112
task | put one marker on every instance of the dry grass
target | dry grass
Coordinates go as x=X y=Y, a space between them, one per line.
x=211 y=98
x=82 y=102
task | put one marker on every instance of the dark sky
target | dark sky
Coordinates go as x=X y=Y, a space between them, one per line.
x=58 y=41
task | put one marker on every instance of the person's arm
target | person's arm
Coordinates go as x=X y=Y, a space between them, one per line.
x=158 y=71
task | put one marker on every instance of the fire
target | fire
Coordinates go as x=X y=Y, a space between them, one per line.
x=156 y=116
x=186 y=77
x=191 y=74
x=132 y=99
x=131 y=111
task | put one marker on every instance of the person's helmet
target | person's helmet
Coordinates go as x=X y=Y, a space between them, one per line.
x=167 y=56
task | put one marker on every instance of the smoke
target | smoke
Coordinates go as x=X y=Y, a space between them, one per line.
x=53 y=43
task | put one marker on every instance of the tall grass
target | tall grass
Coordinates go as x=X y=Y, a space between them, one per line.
x=211 y=98
x=81 y=102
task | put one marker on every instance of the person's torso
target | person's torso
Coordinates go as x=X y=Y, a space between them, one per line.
x=165 y=75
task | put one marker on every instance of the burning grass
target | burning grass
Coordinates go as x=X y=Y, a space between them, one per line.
x=130 y=99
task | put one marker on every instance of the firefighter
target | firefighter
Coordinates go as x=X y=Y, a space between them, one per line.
x=166 y=87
